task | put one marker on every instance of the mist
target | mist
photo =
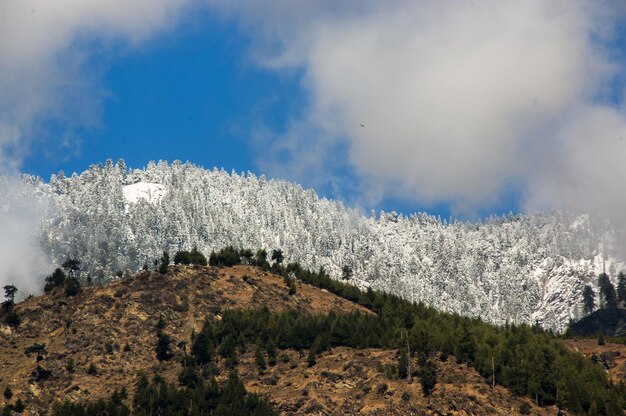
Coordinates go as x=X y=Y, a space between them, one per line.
x=22 y=261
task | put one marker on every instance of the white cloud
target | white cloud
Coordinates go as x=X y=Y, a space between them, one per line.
x=44 y=49
x=457 y=99
x=44 y=46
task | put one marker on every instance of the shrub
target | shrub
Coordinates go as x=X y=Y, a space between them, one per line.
x=8 y=393
x=92 y=370
x=69 y=365
x=382 y=388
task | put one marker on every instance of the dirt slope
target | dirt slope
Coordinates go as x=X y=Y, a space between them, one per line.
x=113 y=327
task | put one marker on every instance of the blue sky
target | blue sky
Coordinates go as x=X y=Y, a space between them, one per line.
x=455 y=109
x=190 y=94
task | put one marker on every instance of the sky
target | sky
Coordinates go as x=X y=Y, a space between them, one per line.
x=457 y=108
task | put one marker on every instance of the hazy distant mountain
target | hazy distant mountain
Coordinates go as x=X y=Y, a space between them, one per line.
x=516 y=268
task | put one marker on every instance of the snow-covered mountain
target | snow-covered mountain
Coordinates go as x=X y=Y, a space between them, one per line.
x=505 y=269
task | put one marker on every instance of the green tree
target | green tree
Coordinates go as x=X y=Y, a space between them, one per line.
x=196 y=257
x=8 y=306
x=608 y=295
x=182 y=257
x=92 y=370
x=589 y=299
x=621 y=287
x=403 y=365
x=260 y=259
x=271 y=352
x=428 y=376
x=9 y=293
x=603 y=285
x=346 y=272
x=202 y=347
x=259 y=358
x=72 y=286
x=163 y=346
x=71 y=266
x=165 y=261
x=19 y=406
x=56 y=279
x=310 y=358
x=277 y=256
x=160 y=323
x=8 y=393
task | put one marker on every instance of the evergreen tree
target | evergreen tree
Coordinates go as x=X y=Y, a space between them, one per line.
x=589 y=299
x=9 y=295
x=8 y=393
x=92 y=370
x=428 y=377
x=72 y=286
x=56 y=279
x=196 y=257
x=608 y=296
x=271 y=352
x=165 y=261
x=8 y=306
x=403 y=365
x=621 y=287
x=346 y=272
x=163 y=346
x=277 y=256
x=19 y=406
x=310 y=358
x=182 y=257
x=71 y=266
x=160 y=323
x=202 y=347
x=259 y=358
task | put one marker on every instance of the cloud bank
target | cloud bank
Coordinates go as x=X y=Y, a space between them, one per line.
x=450 y=101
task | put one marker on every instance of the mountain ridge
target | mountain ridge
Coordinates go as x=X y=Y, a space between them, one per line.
x=506 y=269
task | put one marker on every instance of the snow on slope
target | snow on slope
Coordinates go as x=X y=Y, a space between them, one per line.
x=151 y=192
x=505 y=269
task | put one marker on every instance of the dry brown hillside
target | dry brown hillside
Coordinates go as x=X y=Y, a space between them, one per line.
x=113 y=327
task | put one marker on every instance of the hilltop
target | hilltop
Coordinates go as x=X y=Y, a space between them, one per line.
x=113 y=328
x=513 y=268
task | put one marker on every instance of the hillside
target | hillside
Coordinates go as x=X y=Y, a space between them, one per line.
x=515 y=269
x=113 y=327
x=609 y=321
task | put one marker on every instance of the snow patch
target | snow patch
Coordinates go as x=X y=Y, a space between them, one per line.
x=151 y=192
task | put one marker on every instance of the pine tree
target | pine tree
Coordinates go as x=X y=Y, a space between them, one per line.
x=19 y=406
x=8 y=393
x=310 y=358
x=621 y=287
x=271 y=352
x=403 y=364
x=56 y=279
x=608 y=296
x=163 y=346
x=346 y=272
x=277 y=256
x=428 y=377
x=202 y=347
x=589 y=299
x=165 y=261
x=259 y=358
x=72 y=286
